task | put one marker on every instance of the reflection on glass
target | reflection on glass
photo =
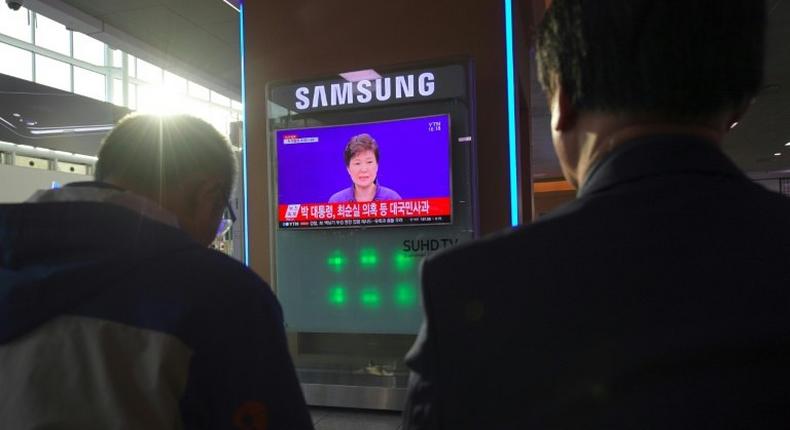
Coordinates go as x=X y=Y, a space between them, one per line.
x=276 y=111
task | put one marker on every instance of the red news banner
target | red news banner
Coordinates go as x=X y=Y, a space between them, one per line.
x=409 y=208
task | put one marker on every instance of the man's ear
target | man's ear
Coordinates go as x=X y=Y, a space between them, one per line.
x=563 y=113
x=207 y=190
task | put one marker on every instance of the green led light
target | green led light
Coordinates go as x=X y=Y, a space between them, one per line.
x=370 y=298
x=368 y=257
x=405 y=295
x=403 y=262
x=336 y=261
x=337 y=296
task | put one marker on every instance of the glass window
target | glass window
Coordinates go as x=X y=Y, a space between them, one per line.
x=132 y=66
x=149 y=98
x=117 y=92
x=198 y=91
x=236 y=105
x=219 y=99
x=90 y=84
x=15 y=23
x=220 y=118
x=53 y=73
x=117 y=58
x=148 y=72
x=132 y=97
x=52 y=35
x=197 y=108
x=16 y=62
x=175 y=83
x=88 y=49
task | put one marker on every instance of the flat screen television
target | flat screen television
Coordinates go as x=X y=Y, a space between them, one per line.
x=384 y=173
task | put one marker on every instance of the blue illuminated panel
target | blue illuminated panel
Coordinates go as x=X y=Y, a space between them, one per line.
x=244 y=136
x=511 y=112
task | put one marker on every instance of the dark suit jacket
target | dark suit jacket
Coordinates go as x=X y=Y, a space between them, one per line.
x=660 y=298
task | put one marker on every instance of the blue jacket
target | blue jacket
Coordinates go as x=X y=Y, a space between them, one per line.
x=109 y=319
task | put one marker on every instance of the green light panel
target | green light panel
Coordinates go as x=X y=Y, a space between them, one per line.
x=336 y=261
x=370 y=298
x=337 y=296
x=405 y=295
x=403 y=262
x=368 y=258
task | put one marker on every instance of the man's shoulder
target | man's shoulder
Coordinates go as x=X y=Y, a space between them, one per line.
x=199 y=290
x=213 y=267
x=605 y=219
x=512 y=249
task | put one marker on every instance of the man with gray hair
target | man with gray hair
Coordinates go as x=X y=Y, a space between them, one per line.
x=115 y=314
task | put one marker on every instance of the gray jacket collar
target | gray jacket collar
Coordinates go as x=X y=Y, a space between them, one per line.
x=102 y=193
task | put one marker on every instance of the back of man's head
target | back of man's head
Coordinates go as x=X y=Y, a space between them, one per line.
x=156 y=156
x=180 y=162
x=678 y=59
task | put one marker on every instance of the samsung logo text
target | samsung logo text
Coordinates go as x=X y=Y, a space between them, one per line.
x=366 y=91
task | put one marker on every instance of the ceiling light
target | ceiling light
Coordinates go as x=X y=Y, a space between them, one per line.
x=359 y=75
x=735 y=124
x=787 y=144
x=777 y=154
x=235 y=4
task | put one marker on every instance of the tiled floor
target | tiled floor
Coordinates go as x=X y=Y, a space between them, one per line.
x=354 y=419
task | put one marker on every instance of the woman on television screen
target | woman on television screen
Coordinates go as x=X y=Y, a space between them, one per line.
x=362 y=163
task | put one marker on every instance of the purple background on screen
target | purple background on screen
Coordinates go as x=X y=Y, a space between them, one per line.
x=413 y=161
